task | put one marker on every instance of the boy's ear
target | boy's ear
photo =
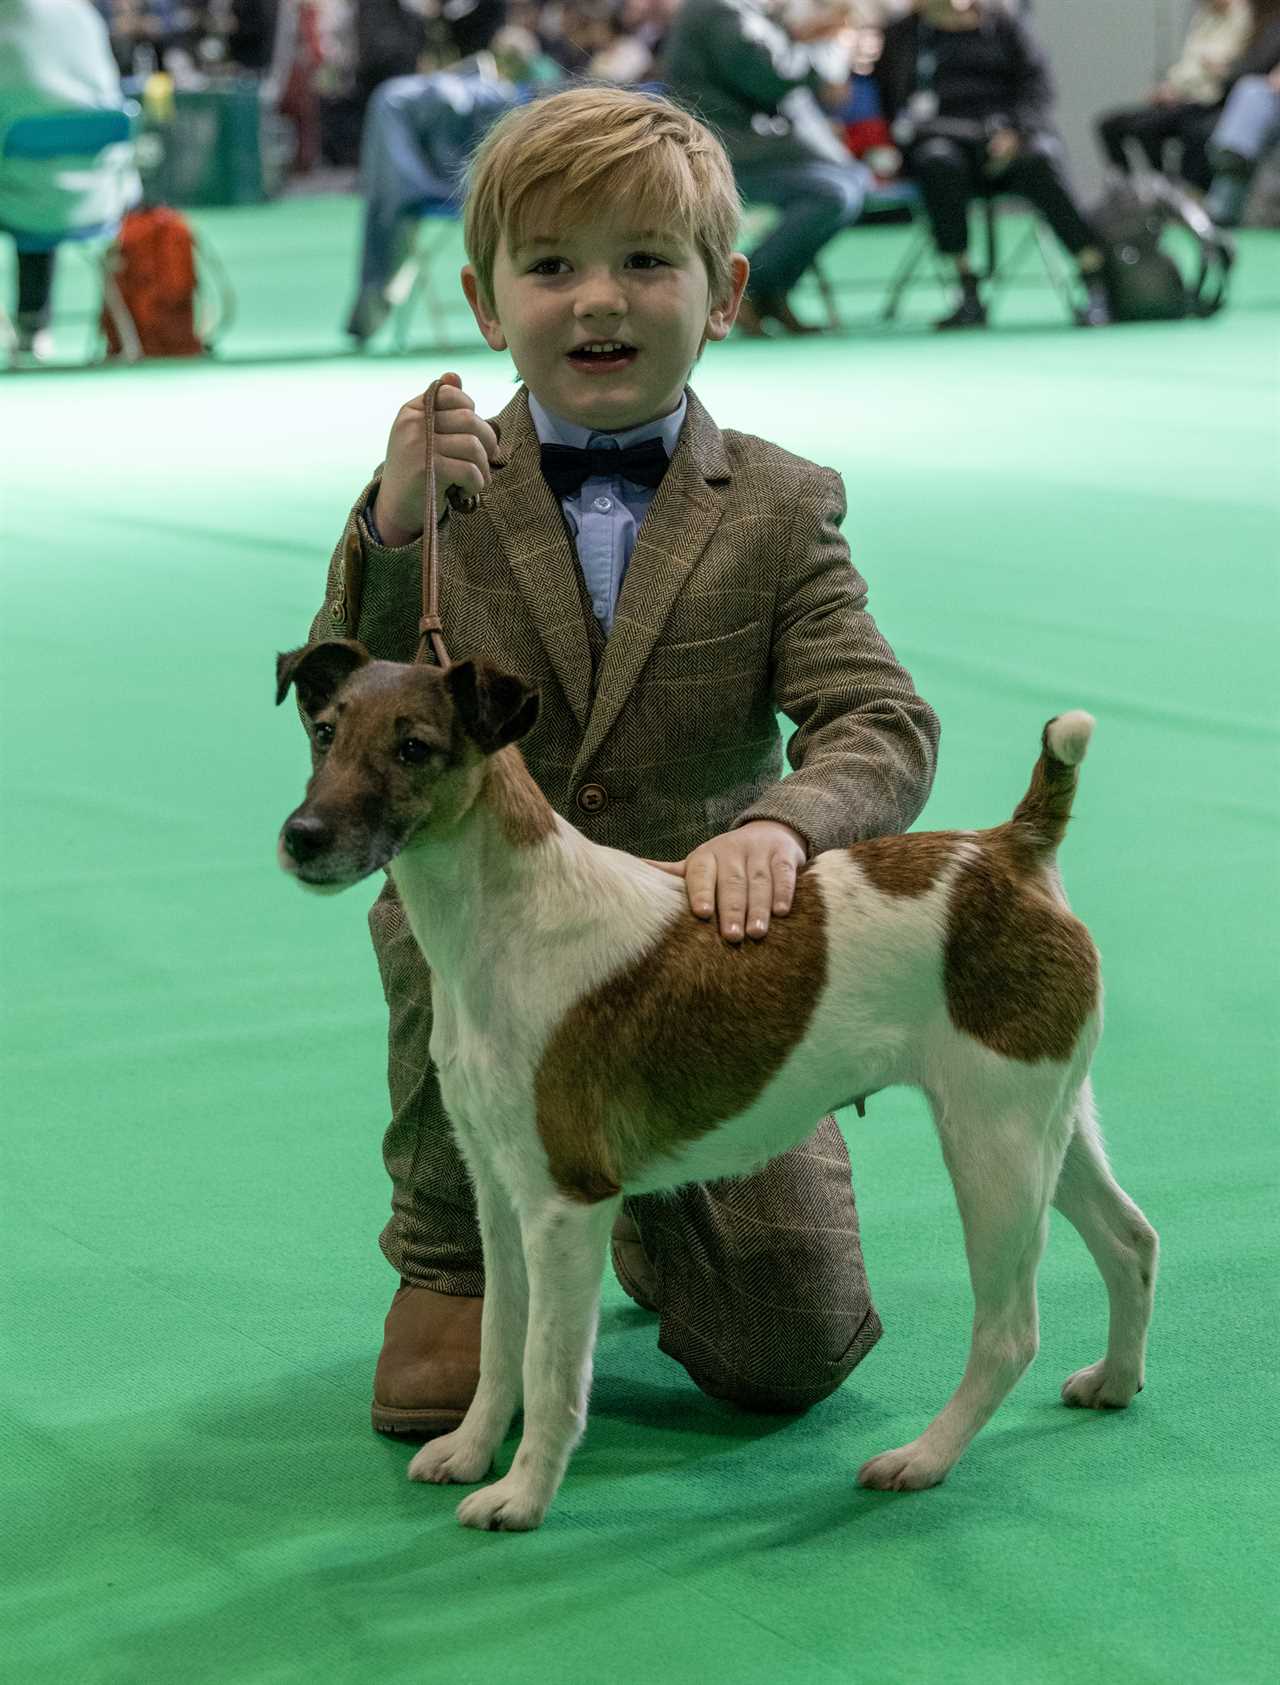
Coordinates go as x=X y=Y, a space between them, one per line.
x=493 y=708
x=482 y=310
x=723 y=312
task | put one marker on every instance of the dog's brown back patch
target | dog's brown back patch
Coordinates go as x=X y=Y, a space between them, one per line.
x=1020 y=971
x=908 y=865
x=688 y=1036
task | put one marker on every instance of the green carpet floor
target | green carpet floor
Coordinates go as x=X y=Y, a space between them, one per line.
x=193 y=1089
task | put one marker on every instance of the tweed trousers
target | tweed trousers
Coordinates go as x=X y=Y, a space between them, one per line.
x=762 y=1292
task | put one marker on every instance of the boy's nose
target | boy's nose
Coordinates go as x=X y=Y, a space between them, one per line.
x=599 y=295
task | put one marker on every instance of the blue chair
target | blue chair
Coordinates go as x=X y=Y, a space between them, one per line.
x=81 y=138
x=414 y=282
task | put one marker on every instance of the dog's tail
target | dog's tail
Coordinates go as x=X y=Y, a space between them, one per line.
x=1040 y=819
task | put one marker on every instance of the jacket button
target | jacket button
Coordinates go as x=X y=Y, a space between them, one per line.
x=592 y=797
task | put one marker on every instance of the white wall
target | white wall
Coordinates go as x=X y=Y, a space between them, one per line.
x=1104 y=53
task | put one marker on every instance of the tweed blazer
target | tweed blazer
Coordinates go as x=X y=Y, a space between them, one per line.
x=739 y=600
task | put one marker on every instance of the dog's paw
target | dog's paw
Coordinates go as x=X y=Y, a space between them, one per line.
x=1099 y=1388
x=451 y=1458
x=908 y=1469
x=508 y=1506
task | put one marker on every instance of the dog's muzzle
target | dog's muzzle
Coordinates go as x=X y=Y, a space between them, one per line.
x=305 y=848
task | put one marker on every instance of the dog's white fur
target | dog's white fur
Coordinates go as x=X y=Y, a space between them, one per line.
x=515 y=936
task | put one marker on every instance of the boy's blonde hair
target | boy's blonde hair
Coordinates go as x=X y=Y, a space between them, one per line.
x=602 y=146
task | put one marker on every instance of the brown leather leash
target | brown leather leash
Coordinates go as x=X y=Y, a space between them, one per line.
x=429 y=627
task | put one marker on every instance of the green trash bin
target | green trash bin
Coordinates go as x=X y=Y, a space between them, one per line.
x=220 y=147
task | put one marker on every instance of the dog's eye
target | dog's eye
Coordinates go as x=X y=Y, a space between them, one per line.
x=414 y=753
x=324 y=735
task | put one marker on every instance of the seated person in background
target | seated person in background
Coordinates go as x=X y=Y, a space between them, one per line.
x=967 y=92
x=758 y=85
x=418 y=133
x=1186 y=104
x=1250 y=122
x=55 y=56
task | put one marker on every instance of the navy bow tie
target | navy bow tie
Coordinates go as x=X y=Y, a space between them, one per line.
x=565 y=467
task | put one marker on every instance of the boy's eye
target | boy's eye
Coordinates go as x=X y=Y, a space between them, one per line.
x=546 y=266
x=646 y=260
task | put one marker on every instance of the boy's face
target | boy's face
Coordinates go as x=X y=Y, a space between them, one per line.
x=568 y=285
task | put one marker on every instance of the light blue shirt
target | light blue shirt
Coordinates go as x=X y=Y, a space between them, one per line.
x=606 y=511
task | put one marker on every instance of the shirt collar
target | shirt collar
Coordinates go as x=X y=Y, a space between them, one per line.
x=554 y=430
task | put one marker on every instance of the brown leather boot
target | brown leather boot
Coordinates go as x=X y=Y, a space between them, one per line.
x=631 y=1264
x=755 y=311
x=430 y=1362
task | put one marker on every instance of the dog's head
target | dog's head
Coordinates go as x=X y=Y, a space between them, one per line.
x=398 y=753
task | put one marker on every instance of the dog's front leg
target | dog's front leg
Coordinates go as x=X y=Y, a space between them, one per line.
x=467 y=1453
x=565 y=1245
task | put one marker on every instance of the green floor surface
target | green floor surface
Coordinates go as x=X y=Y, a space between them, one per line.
x=193 y=1052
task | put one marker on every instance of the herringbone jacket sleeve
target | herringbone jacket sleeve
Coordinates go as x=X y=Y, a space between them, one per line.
x=865 y=744
x=374 y=594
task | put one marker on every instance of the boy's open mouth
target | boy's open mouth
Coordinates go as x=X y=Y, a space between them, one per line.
x=602 y=355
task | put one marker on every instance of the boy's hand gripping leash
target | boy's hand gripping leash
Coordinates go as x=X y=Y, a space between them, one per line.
x=429 y=628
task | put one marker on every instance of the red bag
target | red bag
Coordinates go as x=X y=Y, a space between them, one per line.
x=155 y=269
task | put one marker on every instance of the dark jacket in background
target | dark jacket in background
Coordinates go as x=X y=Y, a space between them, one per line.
x=995 y=75
x=730 y=63
x=1261 y=56
x=253 y=34
x=389 y=40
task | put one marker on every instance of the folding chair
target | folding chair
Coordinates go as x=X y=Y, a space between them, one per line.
x=82 y=139
x=892 y=196
x=413 y=282
x=996 y=268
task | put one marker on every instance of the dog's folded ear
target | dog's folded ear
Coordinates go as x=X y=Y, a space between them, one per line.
x=318 y=670
x=493 y=708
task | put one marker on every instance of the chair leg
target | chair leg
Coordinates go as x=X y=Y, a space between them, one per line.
x=8 y=335
x=435 y=306
x=1000 y=269
x=904 y=274
x=121 y=319
x=402 y=296
x=828 y=295
x=1053 y=266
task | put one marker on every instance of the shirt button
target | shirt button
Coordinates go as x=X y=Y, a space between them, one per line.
x=591 y=798
x=600 y=608
x=602 y=503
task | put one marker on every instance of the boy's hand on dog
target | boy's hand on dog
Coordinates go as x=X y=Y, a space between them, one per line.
x=464 y=446
x=746 y=874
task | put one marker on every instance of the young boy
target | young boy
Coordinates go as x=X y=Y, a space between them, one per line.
x=665 y=609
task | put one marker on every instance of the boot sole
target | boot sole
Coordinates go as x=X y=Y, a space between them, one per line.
x=414 y=1424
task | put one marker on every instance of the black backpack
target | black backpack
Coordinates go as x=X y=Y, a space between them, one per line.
x=1144 y=282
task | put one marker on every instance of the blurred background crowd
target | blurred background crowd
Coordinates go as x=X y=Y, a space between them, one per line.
x=833 y=112
x=322 y=59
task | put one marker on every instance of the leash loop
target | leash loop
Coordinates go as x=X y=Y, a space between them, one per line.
x=429 y=627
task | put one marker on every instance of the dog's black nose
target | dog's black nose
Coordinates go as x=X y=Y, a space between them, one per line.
x=305 y=836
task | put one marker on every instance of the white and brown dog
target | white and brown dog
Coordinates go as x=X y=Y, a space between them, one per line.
x=593 y=1039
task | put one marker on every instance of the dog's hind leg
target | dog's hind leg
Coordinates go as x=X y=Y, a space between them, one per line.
x=467 y=1453
x=1004 y=1166
x=1125 y=1248
x=565 y=1245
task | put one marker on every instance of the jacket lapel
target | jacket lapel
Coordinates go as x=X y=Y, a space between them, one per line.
x=531 y=530
x=675 y=531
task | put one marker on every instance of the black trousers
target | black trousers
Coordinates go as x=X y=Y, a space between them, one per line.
x=1151 y=126
x=950 y=173
x=35 y=288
